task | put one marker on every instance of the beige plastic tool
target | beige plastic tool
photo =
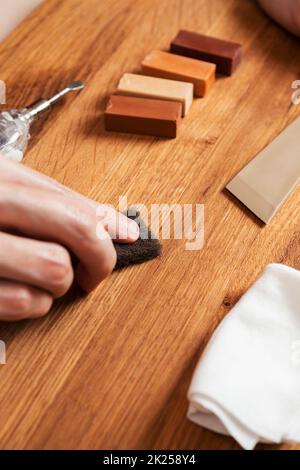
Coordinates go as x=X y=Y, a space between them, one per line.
x=157 y=88
x=265 y=183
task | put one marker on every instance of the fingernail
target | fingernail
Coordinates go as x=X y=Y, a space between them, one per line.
x=133 y=230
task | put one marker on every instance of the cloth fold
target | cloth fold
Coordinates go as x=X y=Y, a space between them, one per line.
x=247 y=382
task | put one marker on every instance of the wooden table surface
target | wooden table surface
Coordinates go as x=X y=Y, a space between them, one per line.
x=111 y=370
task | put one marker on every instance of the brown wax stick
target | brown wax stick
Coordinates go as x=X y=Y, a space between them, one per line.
x=165 y=65
x=227 y=55
x=142 y=116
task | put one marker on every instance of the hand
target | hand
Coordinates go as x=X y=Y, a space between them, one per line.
x=41 y=223
x=285 y=12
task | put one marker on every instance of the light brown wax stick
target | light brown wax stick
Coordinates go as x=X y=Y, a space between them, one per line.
x=265 y=183
x=165 y=65
x=157 y=88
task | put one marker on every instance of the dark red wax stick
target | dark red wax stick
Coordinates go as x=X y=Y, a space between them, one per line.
x=226 y=55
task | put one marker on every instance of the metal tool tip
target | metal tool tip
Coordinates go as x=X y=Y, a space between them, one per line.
x=76 y=85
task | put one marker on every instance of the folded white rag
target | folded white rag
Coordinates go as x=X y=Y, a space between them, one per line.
x=247 y=382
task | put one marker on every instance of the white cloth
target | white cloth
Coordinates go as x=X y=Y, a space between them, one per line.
x=247 y=382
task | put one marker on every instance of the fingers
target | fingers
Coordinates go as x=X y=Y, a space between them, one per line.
x=53 y=217
x=118 y=225
x=18 y=301
x=13 y=172
x=40 y=264
x=285 y=12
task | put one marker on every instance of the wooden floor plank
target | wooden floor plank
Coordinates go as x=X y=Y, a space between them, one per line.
x=111 y=370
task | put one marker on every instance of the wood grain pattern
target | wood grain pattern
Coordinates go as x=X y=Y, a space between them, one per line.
x=111 y=370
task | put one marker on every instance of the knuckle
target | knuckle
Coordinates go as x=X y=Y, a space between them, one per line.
x=83 y=224
x=21 y=302
x=9 y=194
x=57 y=269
